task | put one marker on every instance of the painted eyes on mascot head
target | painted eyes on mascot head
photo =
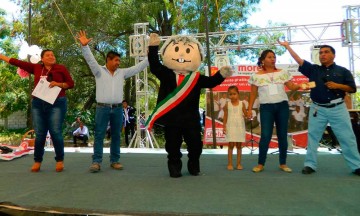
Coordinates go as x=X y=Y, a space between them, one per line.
x=182 y=53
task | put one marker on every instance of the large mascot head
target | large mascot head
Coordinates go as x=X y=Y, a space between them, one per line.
x=182 y=54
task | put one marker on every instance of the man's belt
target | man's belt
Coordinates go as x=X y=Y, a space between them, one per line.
x=109 y=105
x=328 y=105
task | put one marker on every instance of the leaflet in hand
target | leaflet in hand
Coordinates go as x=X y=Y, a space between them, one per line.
x=45 y=93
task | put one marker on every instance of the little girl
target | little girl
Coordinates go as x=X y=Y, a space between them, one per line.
x=234 y=125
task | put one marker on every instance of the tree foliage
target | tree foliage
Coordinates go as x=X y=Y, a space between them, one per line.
x=111 y=22
x=13 y=90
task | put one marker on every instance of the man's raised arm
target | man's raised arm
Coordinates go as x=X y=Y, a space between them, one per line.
x=89 y=57
x=293 y=54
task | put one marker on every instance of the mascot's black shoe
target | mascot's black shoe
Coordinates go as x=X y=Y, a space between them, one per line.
x=193 y=167
x=194 y=172
x=175 y=168
x=175 y=174
x=357 y=172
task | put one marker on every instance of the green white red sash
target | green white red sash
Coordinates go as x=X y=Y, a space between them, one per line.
x=174 y=98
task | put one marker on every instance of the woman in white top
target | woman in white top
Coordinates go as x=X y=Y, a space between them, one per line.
x=269 y=82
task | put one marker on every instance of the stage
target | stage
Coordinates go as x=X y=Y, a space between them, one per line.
x=145 y=188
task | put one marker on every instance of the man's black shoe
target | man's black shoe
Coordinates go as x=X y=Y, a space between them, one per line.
x=357 y=172
x=307 y=170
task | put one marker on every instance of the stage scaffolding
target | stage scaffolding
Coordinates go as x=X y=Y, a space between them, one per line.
x=316 y=34
x=351 y=32
x=138 y=50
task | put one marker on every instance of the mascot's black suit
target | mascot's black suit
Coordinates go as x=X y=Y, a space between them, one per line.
x=182 y=121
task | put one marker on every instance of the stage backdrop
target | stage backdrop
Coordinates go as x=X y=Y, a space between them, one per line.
x=298 y=102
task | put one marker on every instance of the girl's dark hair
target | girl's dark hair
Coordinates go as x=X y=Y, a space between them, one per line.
x=263 y=56
x=234 y=88
x=44 y=51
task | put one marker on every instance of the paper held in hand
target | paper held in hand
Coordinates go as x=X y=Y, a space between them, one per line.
x=45 y=93
x=308 y=85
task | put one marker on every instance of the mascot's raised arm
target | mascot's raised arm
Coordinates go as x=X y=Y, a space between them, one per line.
x=178 y=99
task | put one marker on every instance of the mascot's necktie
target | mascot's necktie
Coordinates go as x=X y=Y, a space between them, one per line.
x=180 y=79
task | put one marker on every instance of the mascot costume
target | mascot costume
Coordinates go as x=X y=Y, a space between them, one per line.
x=178 y=99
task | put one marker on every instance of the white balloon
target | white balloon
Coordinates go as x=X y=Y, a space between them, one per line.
x=22 y=54
x=34 y=50
x=24 y=50
x=24 y=45
x=34 y=59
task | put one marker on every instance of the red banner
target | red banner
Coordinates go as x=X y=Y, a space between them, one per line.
x=298 y=103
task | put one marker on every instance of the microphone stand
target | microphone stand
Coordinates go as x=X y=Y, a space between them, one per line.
x=287 y=150
x=252 y=141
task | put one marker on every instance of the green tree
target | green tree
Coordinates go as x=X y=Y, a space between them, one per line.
x=13 y=89
x=111 y=22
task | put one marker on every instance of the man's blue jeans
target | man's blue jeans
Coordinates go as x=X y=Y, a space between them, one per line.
x=339 y=119
x=277 y=113
x=47 y=117
x=102 y=117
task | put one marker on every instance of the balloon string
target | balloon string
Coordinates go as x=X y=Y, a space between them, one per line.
x=62 y=16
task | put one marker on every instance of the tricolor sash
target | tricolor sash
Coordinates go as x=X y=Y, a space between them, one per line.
x=174 y=98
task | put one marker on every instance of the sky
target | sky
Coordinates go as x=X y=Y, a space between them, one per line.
x=292 y=12
x=297 y=12
x=9 y=7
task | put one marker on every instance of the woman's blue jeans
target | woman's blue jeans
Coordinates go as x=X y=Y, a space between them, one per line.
x=102 y=117
x=277 y=113
x=47 y=117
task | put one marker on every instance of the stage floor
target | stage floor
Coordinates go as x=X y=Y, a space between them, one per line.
x=145 y=188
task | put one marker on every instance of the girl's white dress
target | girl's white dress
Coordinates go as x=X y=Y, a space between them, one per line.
x=235 y=126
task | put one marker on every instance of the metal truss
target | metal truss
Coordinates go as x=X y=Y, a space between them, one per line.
x=264 y=37
x=351 y=29
x=349 y=36
x=138 y=49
